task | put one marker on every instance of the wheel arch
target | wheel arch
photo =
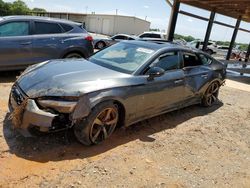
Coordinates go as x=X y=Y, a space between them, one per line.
x=204 y=89
x=120 y=105
x=74 y=50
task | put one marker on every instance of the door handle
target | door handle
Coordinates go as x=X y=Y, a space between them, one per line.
x=26 y=43
x=178 y=81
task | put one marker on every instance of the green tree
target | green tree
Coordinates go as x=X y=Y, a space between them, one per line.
x=153 y=29
x=19 y=8
x=4 y=8
x=186 y=38
x=38 y=10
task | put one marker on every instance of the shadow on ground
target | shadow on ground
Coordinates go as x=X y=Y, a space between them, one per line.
x=7 y=77
x=63 y=146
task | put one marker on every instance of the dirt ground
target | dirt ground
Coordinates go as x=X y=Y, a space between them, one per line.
x=192 y=147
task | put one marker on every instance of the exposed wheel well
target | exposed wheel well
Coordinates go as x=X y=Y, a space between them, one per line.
x=122 y=113
x=72 y=52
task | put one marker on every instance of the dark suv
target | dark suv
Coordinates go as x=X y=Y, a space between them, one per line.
x=26 y=40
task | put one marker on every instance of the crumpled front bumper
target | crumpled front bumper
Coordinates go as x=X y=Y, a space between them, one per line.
x=29 y=115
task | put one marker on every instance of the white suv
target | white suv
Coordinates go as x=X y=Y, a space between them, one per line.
x=153 y=34
x=211 y=47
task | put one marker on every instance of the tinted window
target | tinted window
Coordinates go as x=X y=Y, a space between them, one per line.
x=191 y=60
x=14 y=29
x=47 y=28
x=150 y=35
x=168 y=61
x=223 y=48
x=205 y=60
x=66 y=27
x=120 y=37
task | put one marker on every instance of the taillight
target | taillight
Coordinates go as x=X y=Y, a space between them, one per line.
x=89 y=38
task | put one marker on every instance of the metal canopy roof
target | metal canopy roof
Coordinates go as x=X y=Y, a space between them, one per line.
x=231 y=8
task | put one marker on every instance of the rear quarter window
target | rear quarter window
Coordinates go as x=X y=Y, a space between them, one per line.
x=83 y=28
x=66 y=27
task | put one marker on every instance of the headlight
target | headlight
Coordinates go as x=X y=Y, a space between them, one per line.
x=60 y=106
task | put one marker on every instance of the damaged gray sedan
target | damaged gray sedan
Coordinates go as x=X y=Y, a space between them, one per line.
x=118 y=86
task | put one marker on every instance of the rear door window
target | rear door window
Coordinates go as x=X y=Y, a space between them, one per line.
x=191 y=59
x=47 y=28
x=20 y=28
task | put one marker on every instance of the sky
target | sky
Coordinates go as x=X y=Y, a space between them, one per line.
x=156 y=11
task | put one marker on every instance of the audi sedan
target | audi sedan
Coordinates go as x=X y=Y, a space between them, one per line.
x=118 y=86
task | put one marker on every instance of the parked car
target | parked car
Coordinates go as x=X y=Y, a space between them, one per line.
x=223 y=50
x=211 y=47
x=100 y=43
x=27 y=40
x=118 y=86
x=242 y=55
x=180 y=41
x=153 y=34
x=160 y=36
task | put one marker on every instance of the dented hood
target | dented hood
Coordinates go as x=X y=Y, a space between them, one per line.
x=68 y=78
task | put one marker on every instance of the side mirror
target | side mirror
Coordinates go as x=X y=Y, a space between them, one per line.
x=155 y=72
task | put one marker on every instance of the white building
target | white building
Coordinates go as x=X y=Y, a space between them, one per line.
x=105 y=24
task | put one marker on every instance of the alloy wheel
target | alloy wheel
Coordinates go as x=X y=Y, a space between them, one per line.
x=103 y=125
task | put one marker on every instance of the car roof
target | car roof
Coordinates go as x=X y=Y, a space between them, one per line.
x=161 y=44
x=198 y=40
x=126 y=35
x=154 y=32
x=39 y=18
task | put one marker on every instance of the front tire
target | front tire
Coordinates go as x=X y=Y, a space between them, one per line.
x=99 y=125
x=211 y=95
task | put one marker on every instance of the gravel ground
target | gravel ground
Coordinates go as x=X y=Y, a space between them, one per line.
x=192 y=147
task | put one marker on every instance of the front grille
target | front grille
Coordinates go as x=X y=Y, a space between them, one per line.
x=18 y=95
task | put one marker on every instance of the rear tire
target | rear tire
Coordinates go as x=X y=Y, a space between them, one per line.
x=73 y=56
x=99 y=125
x=100 y=45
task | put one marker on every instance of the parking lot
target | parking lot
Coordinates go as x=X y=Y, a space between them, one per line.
x=193 y=147
x=154 y=57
